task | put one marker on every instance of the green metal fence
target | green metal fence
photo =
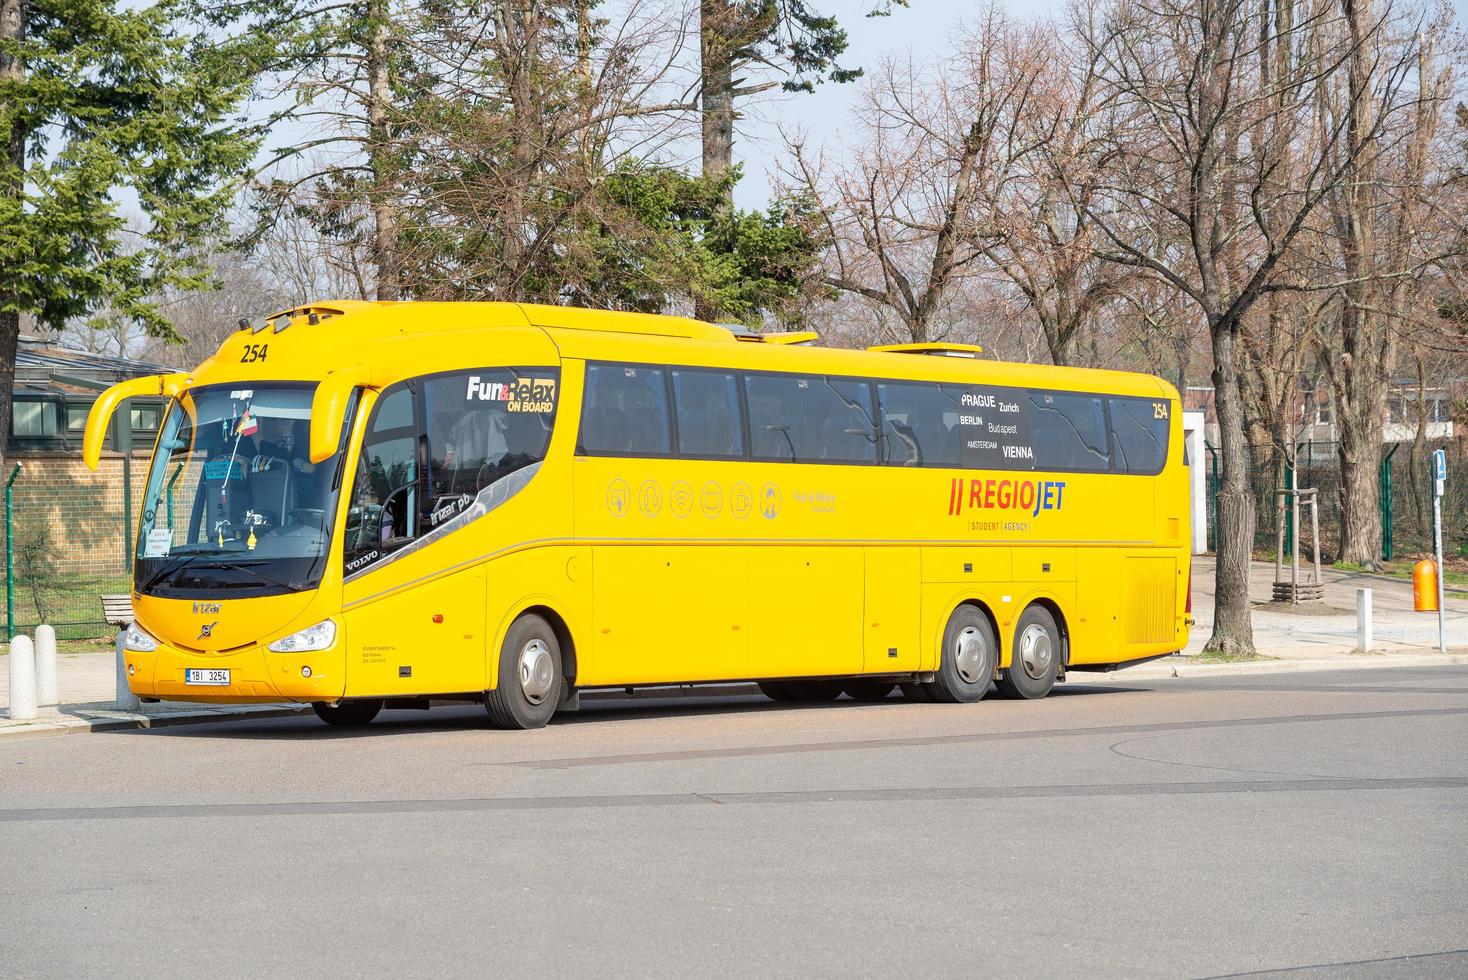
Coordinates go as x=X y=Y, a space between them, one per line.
x=1406 y=509
x=67 y=536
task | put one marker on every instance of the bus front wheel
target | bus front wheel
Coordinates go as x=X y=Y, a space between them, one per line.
x=1036 y=659
x=530 y=678
x=348 y=714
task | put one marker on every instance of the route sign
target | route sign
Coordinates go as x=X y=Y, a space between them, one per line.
x=1440 y=465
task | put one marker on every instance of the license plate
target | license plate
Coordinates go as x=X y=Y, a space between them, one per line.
x=209 y=676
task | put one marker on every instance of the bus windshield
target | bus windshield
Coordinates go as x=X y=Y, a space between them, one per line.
x=233 y=501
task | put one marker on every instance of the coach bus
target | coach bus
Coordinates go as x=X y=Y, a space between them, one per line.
x=357 y=505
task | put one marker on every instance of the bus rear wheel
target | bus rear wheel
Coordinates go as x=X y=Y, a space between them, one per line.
x=1036 y=659
x=807 y=691
x=348 y=714
x=966 y=665
x=530 y=678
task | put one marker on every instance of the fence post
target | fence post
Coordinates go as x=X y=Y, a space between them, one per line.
x=1213 y=481
x=171 y=481
x=1289 y=515
x=1386 y=504
x=10 y=554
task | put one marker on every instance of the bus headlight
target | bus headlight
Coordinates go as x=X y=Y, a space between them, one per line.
x=139 y=639
x=317 y=637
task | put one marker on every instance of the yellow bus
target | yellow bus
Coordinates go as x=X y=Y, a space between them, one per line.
x=358 y=504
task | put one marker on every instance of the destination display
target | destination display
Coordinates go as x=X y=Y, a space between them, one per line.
x=994 y=428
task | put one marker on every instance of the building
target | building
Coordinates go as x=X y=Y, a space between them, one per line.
x=71 y=528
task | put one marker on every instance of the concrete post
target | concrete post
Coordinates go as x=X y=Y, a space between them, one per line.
x=46 y=693
x=1363 y=620
x=22 y=679
x=126 y=699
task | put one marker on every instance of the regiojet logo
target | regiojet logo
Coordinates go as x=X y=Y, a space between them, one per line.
x=1021 y=496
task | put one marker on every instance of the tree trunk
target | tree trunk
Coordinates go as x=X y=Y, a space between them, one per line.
x=717 y=69
x=717 y=102
x=12 y=70
x=1232 y=620
x=379 y=150
x=1360 y=456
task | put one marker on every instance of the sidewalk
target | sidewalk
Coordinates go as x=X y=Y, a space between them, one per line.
x=85 y=682
x=1286 y=642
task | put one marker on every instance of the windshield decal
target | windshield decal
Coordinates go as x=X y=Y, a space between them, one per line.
x=158 y=543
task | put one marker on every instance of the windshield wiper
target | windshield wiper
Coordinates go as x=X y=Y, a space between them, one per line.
x=248 y=567
x=179 y=562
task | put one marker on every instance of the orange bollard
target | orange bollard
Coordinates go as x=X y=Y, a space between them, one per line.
x=1424 y=586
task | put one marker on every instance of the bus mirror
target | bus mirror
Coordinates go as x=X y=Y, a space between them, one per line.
x=167 y=385
x=329 y=410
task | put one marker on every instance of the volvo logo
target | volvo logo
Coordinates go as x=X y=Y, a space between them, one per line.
x=207 y=630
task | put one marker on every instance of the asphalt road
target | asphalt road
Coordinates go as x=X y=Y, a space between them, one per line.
x=1309 y=823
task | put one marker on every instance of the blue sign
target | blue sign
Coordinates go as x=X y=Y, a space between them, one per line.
x=1440 y=465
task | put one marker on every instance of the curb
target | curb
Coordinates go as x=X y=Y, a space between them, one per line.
x=122 y=721
x=1163 y=670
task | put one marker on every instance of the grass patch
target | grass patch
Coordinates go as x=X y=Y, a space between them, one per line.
x=1403 y=570
x=1215 y=657
x=71 y=604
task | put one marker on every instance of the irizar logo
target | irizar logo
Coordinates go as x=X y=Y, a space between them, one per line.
x=206 y=608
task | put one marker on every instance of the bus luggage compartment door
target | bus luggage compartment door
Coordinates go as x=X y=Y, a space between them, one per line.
x=893 y=608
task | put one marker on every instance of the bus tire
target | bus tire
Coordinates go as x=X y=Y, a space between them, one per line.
x=1036 y=657
x=810 y=692
x=869 y=690
x=966 y=664
x=530 y=678
x=348 y=714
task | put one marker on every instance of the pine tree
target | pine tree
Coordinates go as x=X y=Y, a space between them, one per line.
x=109 y=110
x=788 y=37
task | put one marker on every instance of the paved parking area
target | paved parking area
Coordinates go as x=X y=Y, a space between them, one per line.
x=1167 y=827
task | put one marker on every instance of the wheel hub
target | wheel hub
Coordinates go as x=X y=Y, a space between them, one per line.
x=1036 y=651
x=537 y=671
x=970 y=655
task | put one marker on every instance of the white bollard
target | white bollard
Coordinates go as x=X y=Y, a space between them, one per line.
x=22 y=679
x=46 y=693
x=126 y=699
x=1363 y=620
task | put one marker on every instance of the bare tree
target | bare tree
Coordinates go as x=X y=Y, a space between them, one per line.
x=1033 y=220
x=1389 y=101
x=930 y=147
x=1202 y=160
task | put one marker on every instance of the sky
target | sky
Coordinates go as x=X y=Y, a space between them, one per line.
x=924 y=28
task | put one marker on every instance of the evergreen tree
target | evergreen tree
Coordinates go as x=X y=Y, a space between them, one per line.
x=109 y=109
x=788 y=37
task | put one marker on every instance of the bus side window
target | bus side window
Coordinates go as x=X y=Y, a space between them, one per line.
x=709 y=422
x=811 y=419
x=919 y=425
x=1068 y=431
x=1140 y=427
x=626 y=411
x=382 y=512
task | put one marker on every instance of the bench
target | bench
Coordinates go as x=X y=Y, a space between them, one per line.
x=117 y=610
